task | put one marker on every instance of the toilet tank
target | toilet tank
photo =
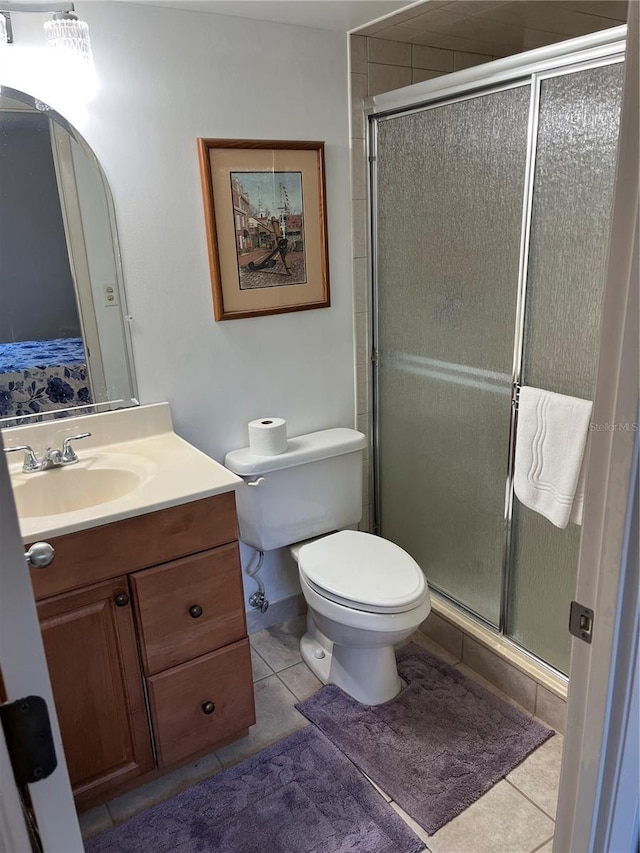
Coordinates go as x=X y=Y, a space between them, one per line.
x=314 y=487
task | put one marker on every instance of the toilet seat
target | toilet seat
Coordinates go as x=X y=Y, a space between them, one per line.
x=363 y=572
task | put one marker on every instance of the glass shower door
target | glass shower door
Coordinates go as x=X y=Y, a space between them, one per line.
x=450 y=182
x=577 y=143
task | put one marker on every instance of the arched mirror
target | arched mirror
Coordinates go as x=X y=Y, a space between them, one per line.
x=64 y=337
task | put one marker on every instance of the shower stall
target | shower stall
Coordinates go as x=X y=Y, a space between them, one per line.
x=491 y=193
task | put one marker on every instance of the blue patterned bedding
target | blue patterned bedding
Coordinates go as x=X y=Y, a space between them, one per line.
x=23 y=355
x=42 y=376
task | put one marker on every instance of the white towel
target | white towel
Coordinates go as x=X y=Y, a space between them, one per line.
x=550 y=452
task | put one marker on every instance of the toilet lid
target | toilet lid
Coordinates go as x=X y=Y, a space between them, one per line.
x=363 y=571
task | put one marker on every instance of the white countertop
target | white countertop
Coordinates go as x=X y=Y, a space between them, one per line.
x=169 y=470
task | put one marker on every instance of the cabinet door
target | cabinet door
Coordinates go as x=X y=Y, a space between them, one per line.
x=92 y=654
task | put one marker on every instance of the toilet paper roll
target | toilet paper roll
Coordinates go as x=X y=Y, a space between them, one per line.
x=267 y=436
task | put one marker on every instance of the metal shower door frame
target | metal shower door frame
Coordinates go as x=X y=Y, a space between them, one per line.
x=529 y=69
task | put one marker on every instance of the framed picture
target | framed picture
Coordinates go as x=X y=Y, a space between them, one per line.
x=266 y=224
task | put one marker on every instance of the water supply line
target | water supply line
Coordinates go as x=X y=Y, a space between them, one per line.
x=257 y=599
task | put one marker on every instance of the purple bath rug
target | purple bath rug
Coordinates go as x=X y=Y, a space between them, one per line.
x=300 y=795
x=435 y=748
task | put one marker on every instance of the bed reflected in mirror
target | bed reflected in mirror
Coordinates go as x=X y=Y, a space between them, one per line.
x=64 y=342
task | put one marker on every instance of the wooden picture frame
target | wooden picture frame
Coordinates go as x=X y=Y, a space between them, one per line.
x=266 y=223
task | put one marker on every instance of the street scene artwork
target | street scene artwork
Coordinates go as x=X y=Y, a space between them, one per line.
x=269 y=228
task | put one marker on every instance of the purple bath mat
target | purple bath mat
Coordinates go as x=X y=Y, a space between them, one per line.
x=435 y=748
x=300 y=795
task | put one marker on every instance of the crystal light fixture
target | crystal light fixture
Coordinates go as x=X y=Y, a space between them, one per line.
x=64 y=32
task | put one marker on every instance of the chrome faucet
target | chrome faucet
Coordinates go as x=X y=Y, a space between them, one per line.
x=51 y=458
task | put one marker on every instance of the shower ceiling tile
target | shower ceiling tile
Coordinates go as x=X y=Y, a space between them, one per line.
x=392 y=34
x=468 y=45
x=438 y=21
x=547 y=16
x=616 y=9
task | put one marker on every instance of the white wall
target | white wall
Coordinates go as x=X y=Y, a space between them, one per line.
x=166 y=77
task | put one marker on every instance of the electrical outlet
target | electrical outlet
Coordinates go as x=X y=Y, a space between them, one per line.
x=110 y=295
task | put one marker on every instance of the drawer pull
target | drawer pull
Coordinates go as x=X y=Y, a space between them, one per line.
x=122 y=599
x=208 y=707
x=195 y=611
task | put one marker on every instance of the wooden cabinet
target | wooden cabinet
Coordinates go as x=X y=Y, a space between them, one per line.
x=92 y=654
x=144 y=630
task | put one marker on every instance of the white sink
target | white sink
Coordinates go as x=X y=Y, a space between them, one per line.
x=71 y=488
x=132 y=463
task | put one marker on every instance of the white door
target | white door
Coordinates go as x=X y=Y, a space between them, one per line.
x=24 y=671
x=598 y=799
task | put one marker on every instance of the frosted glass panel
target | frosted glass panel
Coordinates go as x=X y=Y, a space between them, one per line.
x=450 y=191
x=575 y=167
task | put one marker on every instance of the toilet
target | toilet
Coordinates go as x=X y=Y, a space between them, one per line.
x=364 y=594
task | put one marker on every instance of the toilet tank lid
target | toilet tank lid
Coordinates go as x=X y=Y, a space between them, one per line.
x=311 y=447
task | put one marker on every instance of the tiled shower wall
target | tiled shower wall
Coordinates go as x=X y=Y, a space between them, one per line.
x=380 y=65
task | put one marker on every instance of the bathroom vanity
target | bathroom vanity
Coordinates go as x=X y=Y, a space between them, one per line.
x=142 y=610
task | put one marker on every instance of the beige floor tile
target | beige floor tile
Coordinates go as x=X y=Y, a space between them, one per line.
x=502 y=821
x=160 y=789
x=276 y=718
x=548 y=847
x=419 y=831
x=300 y=681
x=538 y=776
x=279 y=645
x=260 y=668
x=474 y=676
x=94 y=821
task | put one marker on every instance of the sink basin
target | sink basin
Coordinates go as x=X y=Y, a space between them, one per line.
x=71 y=488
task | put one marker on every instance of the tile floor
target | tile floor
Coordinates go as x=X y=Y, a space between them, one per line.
x=515 y=816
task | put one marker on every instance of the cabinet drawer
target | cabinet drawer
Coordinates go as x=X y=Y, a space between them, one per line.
x=99 y=553
x=179 y=698
x=189 y=607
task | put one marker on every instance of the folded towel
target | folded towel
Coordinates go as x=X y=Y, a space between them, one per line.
x=550 y=452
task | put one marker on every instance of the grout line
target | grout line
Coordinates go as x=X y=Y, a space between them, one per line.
x=296 y=698
x=543 y=844
x=533 y=803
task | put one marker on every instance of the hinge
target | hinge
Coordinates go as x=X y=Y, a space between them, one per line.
x=515 y=397
x=374 y=356
x=372 y=158
x=27 y=731
x=581 y=622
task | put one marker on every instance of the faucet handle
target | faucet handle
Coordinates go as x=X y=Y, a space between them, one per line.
x=68 y=453
x=31 y=462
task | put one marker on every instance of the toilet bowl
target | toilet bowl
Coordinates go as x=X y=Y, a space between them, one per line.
x=364 y=594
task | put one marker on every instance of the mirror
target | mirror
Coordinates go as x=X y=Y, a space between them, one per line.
x=65 y=347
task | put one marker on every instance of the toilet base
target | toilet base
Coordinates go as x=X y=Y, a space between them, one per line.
x=368 y=675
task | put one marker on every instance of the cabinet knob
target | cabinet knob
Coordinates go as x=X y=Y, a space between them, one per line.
x=121 y=599
x=40 y=555
x=195 y=611
x=208 y=707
